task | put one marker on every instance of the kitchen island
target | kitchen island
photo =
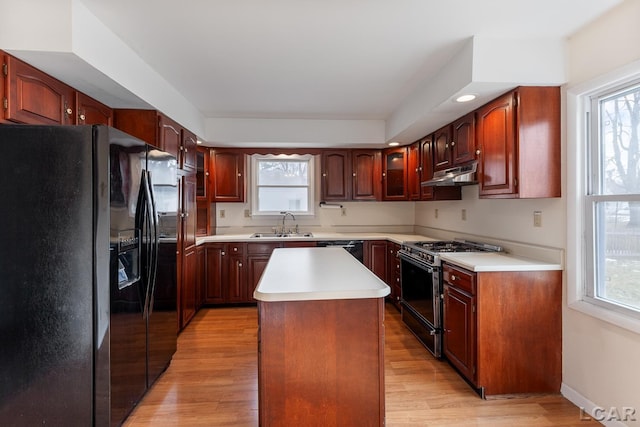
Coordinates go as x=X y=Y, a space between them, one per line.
x=320 y=340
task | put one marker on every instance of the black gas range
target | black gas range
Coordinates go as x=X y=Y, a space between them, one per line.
x=429 y=251
x=421 y=285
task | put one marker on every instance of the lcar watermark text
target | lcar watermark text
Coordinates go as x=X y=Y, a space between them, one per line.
x=624 y=414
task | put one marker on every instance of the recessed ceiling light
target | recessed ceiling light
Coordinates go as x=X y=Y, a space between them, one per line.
x=465 y=98
x=198 y=142
x=394 y=144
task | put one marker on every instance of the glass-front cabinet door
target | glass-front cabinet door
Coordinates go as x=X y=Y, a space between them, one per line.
x=394 y=174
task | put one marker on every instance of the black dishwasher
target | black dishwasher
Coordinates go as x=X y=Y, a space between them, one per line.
x=354 y=247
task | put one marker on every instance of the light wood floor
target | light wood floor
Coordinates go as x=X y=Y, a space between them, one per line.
x=212 y=381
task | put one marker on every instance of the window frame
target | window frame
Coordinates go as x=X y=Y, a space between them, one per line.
x=309 y=158
x=581 y=200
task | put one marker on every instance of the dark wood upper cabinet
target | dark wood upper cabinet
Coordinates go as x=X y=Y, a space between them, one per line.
x=366 y=174
x=91 y=112
x=33 y=97
x=442 y=148
x=413 y=171
x=518 y=138
x=336 y=171
x=426 y=166
x=226 y=175
x=394 y=173
x=188 y=150
x=170 y=136
x=202 y=173
x=4 y=70
x=463 y=140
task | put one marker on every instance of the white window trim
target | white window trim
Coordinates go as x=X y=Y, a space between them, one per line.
x=254 y=183
x=576 y=202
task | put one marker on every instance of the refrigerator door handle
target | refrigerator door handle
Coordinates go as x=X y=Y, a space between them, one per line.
x=155 y=244
x=142 y=231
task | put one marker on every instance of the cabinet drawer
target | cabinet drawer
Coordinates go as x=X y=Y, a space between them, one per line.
x=236 y=248
x=263 y=247
x=459 y=278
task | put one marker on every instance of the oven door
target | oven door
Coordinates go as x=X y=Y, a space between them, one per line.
x=420 y=285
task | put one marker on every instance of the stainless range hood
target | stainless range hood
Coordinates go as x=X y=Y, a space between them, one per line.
x=459 y=175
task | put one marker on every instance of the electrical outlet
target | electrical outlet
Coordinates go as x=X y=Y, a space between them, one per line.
x=537 y=218
x=464 y=214
x=344 y=211
x=435 y=213
x=222 y=213
x=247 y=213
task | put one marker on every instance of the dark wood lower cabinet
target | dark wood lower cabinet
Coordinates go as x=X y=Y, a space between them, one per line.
x=459 y=333
x=189 y=289
x=375 y=257
x=320 y=364
x=503 y=330
x=215 y=272
x=393 y=273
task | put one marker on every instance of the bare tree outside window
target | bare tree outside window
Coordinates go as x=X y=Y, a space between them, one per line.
x=616 y=198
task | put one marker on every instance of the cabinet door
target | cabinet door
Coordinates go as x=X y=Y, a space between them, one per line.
x=442 y=148
x=227 y=176
x=91 y=112
x=375 y=255
x=188 y=288
x=426 y=166
x=188 y=150
x=463 y=141
x=201 y=254
x=143 y=124
x=188 y=214
x=393 y=273
x=237 y=279
x=366 y=184
x=459 y=341
x=202 y=173
x=34 y=97
x=215 y=272
x=413 y=171
x=336 y=171
x=394 y=174
x=496 y=142
x=170 y=136
x=257 y=264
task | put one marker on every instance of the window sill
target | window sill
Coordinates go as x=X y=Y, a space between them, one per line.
x=618 y=319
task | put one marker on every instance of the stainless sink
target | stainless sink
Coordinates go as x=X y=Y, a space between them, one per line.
x=257 y=235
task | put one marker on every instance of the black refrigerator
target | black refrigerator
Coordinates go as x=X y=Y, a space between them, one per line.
x=88 y=295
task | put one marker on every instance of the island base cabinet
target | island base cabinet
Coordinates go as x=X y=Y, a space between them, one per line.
x=320 y=363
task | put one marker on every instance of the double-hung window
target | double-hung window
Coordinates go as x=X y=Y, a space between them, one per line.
x=282 y=183
x=612 y=198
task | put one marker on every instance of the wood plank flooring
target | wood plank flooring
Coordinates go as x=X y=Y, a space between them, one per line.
x=212 y=381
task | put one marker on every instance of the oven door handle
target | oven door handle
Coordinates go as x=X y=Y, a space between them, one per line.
x=417 y=263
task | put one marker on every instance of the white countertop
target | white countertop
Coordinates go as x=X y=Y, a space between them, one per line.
x=486 y=261
x=303 y=274
x=473 y=261
x=394 y=237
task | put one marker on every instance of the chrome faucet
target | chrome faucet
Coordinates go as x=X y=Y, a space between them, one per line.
x=284 y=217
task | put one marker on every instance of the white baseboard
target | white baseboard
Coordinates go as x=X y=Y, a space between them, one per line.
x=588 y=408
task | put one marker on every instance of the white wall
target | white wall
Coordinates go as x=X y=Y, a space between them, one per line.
x=600 y=360
x=509 y=220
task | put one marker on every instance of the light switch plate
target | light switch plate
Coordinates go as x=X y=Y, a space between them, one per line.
x=537 y=218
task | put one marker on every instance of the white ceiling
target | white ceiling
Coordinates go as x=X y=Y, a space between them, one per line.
x=331 y=59
x=313 y=72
